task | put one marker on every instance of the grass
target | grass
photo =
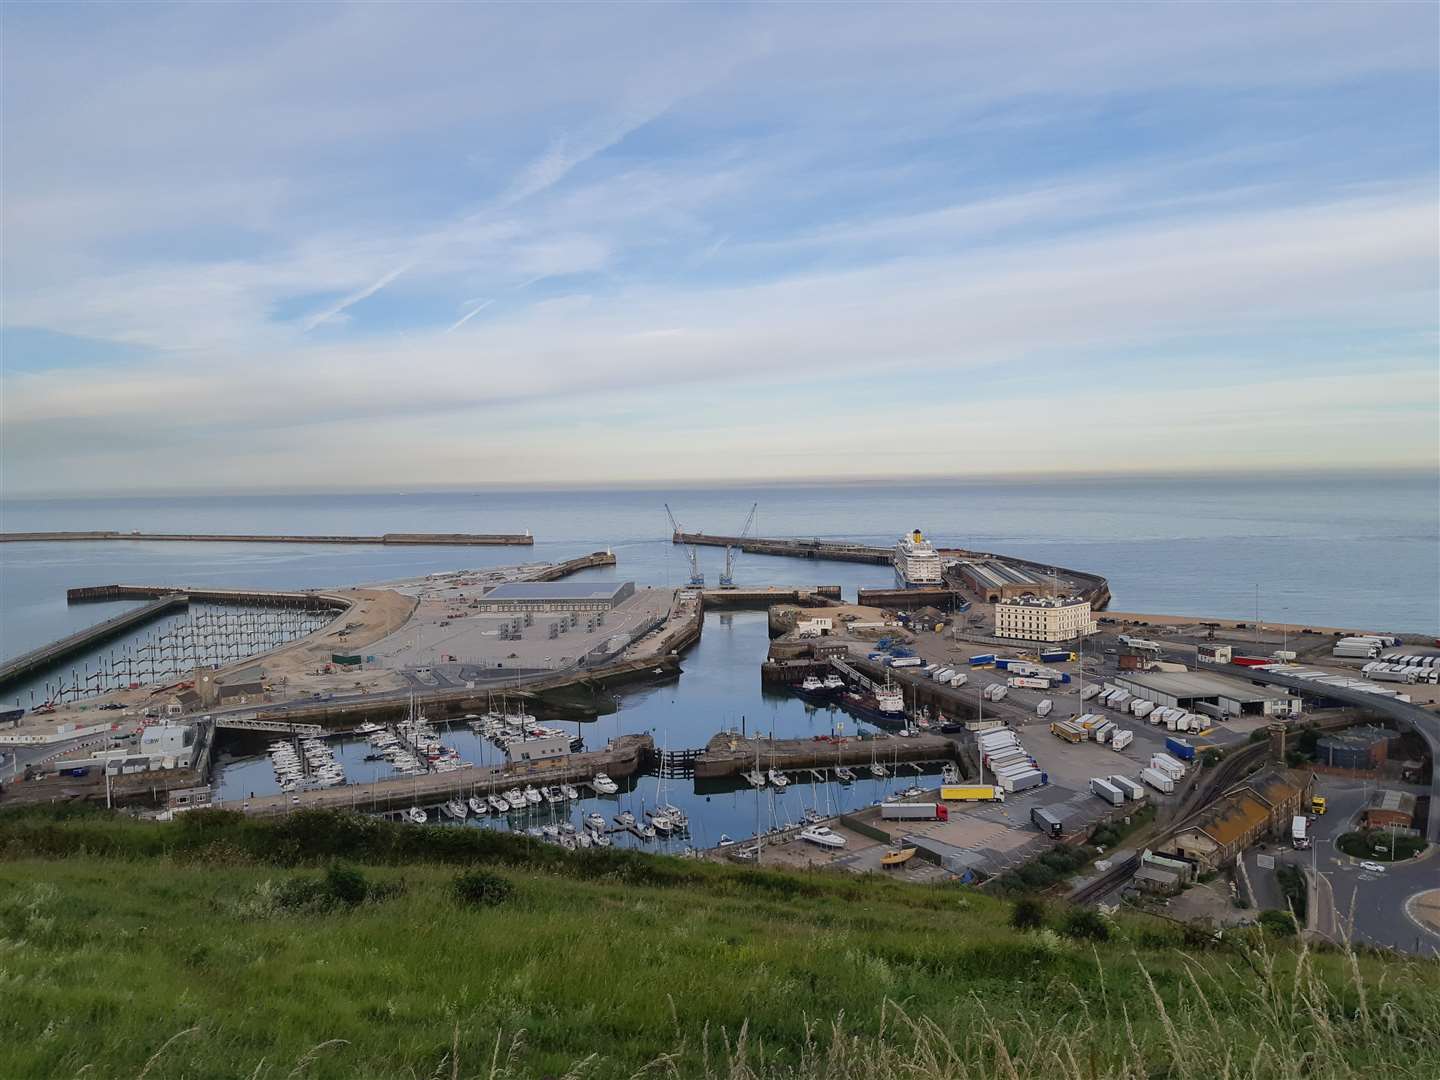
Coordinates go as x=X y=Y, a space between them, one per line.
x=209 y=949
x=1374 y=844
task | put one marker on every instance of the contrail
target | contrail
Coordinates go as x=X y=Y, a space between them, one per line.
x=468 y=316
x=355 y=297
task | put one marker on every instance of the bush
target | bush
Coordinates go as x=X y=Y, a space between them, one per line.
x=1210 y=758
x=1027 y=914
x=1085 y=923
x=1375 y=844
x=1295 y=889
x=480 y=888
x=346 y=885
x=1279 y=923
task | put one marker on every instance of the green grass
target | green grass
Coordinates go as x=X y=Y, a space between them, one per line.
x=209 y=948
x=1374 y=844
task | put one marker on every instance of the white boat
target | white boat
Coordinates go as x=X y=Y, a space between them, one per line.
x=755 y=778
x=625 y=819
x=890 y=699
x=844 y=774
x=812 y=816
x=647 y=832
x=595 y=821
x=583 y=839
x=777 y=780
x=675 y=814
x=516 y=798
x=600 y=839
x=552 y=794
x=550 y=830
x=417 y=816
x=661 y=823
x=917 y=563
x=531 y=795
x=725 y=841
x=603 y=784
x=821 y=835
x=455 y=809
x=497 y=804
x=878 y=771
x=477 y=806
x=812 y=684
x=949 y=774
x=911 y=792
x=833 y=682
x=569 y=791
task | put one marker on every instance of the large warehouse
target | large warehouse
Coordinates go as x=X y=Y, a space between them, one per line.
x=995 y=580
x=582 y=596
x=1213 y=695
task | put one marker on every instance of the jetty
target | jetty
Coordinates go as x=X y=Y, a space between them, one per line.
x=80 y=641
x=447 y=539
x=731 y=754
x=310 y=601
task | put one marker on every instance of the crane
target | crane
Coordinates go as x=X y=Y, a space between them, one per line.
x=727 y=579
x=697 y=579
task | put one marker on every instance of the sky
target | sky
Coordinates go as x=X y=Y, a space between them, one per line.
x=329 y=246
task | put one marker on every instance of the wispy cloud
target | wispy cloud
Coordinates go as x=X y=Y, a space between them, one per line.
x=479 y=307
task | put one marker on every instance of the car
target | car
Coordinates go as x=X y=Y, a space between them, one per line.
x=1372 y=867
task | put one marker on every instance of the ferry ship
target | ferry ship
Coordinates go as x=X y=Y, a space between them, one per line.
x=917 y=564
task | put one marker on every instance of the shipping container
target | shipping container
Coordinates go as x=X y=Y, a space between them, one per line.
x=998 y=692
x=943 y=674
x=1141 y=708
x=959 y=679
x=906 y=661
x=1043 y=709
x=973 y=793
x=1028 y=682
x=1158 y=780
x=990 y=739
x=1090 y=691
x=1131 y=789
x=1180 y=748
x=1122 y=738
x=908 y=811
x=982 y=660
x=1047 y=821
x=1251 y=661
x=1023 y=781
x=1107 y=791
x=1168 y=765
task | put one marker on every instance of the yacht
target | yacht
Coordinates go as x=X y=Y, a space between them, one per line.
x=516 y=798
x=917 y=564
x=603 y=784
x=477 y=806
x=417 y=816
x=777 y=780
x=844 y=774
x=823 y=836
x=568 y=790
x=455 y=810
x=595 y=821
x=497 y=804
x=625 y=819
x=531 y=795
x=599 y=839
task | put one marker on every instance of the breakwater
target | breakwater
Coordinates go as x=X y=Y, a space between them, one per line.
x=447 y=539
x=41 y=658
x=572 y=566
x=310 y=601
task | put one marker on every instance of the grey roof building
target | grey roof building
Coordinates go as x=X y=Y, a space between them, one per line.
x=520 y=596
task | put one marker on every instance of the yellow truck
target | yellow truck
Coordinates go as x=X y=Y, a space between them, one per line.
x=1317 y=804
x=972 y=793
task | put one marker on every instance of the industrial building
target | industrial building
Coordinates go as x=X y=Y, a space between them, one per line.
x=556 y=596
x=1213 y=695
x=1364 y=748
x=1262 y=805
x=1044 y=618
x=1389 y=808
x=997 y=581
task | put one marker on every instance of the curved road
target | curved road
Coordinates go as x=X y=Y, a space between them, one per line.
x=1421 y=720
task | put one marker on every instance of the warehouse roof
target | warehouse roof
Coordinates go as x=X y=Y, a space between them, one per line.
x=1366 y=735
x=557 y=590
x=1200 y=684
x=1401 y=802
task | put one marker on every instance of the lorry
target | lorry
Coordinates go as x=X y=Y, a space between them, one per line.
x=995 y=691
x=1057 y=656
x=1028 y=682
x=959 y=679
x=1168 y=765
x=1107 y=791
x=1214 y=654
x=1047 y=821
x=1300 y=832
x=1131 y=789
x=972 y=793
x=1160 y=781
x=914 y=811
x=1317 y=804
x=1122 y=738
x=983 y=660
x=1140 y=708
x=1093 y=690
x=1180 y=748
x=943 y=674
x=1023 y=781
x=1071 y=733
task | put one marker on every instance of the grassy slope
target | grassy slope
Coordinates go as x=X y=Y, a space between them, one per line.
x=104 y=958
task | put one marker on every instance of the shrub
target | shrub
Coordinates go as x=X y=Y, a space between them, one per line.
x=346 y=885
x=1279 y=923
x=1027 y=914
x=1084 y=923
x=480 y=888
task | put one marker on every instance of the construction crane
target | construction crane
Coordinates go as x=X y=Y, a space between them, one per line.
x=727 y=579
x=697 y=579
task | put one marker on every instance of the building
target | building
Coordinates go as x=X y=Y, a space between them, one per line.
x=545 y=748
x=1363 y=748
x=995 y=581
x=169 y=741
x=1038 y=618
x=1261 y=806
x=1156 y=881
x=556 y=596
x=1212 y=695
x=1389 y=808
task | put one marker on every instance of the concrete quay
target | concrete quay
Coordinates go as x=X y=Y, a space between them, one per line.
x=835 y=550
x=621 y=758
x=763 y=599
x=311 y=601
x=729 y=754
x=447 y=539
x=43 y=657
x=573 y=566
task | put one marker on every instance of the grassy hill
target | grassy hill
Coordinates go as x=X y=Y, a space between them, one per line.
x=219 y=947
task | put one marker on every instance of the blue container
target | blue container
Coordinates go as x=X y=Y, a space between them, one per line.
x=1180 y=748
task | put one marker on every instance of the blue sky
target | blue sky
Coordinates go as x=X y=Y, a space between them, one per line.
x=289 y=246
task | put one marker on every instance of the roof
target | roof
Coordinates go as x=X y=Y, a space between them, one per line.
x=1365 y=735
x=1277 y=785
x=1400 y=802
x=998 y=573
x=1232 y=817
x=556 y=590
x=1158 y=875
x=1200 y=684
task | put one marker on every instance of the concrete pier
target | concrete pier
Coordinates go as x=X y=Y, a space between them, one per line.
x=448 y=539
x=43 y=657
x=572 y=566
x=762 y=599
x=837 y=550
x=729 y=754
x=91 y=594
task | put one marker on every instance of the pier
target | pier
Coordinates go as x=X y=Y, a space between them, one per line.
x=836 y=550
x=621 y=758
x=38 y=659
x=573 y=566
x=819 y=596
x=730 y=754
x=447 y=539
x=310 y=601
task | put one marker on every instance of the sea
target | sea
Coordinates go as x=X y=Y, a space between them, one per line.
x=1353 y=550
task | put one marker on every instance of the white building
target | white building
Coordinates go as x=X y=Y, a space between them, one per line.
x=1039 y=618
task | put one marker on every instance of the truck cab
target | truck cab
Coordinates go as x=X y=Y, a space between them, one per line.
x=1317 y=804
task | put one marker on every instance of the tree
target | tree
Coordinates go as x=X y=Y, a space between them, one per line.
x=1279 y=923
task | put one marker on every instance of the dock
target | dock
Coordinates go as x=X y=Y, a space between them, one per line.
x=447 y=539
x=572 y=566
x=835 y=550
x=621 y=758
x=83 y=640
x=819 y=596
x=730 y=754
x=310 y=601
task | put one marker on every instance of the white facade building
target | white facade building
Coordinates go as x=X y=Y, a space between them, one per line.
x=1034 y=618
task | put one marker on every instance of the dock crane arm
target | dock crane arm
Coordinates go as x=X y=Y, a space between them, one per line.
x=697 y=579
x=727 y=580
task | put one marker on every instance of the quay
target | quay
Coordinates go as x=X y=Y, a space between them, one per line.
x=835 y=550
x=573 y=566
x=622 y=758
x=38 y=659
x=310 y=601
x=731 y=754
x=448 y=539
x=819 y=596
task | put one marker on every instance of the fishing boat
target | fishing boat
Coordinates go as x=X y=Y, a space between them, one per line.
x=822 y=836
x=417 y=816
x=897 y=858
x=477 y=806
x=833 y=682
x=812 y=684
x=603 y=784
